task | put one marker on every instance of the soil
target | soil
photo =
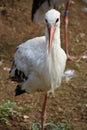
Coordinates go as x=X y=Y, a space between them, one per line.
x=70 y=101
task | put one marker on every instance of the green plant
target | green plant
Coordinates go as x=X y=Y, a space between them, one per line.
x=50 y=126
x=27 y=107
x=7 y=109
x=64 y=126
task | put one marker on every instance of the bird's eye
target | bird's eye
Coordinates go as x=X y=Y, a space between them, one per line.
x=46 y=21
x=57 y=20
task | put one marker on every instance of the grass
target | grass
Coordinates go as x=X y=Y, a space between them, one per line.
x=27 y=107
x=7 y=109
x=64 y=125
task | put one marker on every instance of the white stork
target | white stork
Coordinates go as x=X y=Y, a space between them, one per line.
x=39 y=7
x=40 y=62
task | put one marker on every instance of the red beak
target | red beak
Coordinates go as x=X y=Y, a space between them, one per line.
x=51 y=35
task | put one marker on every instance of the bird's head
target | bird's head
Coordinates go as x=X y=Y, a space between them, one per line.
x=52 y=19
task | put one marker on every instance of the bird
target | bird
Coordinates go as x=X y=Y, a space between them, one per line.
x=39 y=7
x=39 y=63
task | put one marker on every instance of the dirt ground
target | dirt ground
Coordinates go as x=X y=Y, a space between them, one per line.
x=70 y=101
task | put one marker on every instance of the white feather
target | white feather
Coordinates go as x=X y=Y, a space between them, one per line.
x=39 y=14
x=44 y=71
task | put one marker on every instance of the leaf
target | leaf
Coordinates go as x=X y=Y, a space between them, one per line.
x=52 y=127
x=35 y=126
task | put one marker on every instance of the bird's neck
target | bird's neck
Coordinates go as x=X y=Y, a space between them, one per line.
x=56 y=39
x=52 y=58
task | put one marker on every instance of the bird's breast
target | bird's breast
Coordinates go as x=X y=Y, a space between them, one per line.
x=54 y=68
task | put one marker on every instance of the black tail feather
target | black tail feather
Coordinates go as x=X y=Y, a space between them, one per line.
x=18 y=90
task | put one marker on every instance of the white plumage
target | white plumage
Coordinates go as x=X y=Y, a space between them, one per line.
x=44 y=71
x=40 y=7
x=40 y=62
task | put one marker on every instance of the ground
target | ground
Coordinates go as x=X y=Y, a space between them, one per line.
x=70 y=101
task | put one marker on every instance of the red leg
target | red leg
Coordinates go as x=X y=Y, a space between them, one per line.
x=43 y=117
x=66 y=31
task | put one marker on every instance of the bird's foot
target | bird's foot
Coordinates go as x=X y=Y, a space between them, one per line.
x=72 y=58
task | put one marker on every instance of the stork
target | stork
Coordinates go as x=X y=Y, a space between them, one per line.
x=40 y=62
x=39 y=7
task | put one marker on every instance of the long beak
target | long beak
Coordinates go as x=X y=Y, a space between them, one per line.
x=51 y=35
